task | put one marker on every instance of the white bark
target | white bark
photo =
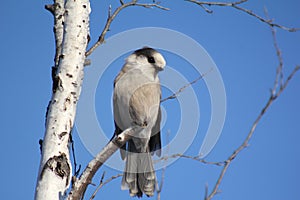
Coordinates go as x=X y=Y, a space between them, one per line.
x=55 y=167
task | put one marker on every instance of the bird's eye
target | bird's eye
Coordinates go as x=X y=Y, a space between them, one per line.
x=151 y=60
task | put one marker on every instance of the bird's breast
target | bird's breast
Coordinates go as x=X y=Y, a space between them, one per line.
x=134 y=95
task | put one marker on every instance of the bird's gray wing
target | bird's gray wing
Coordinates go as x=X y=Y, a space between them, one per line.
x=155 y=141
x=144 y=104
x=118 y=130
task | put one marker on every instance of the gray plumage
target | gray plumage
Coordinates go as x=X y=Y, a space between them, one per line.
x=136 y=101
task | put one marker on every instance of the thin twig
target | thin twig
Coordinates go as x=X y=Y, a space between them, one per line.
x=161 y=181
x=236 y=6
x=195 y=158
x=275 y=93
x=111 y=178
x=112 y=16
x=164 y=168
x=102 y=183
x=76 y=171
x=152 y=5
x=279 y=71
x=99 y=186
x=175 y=95
x=206 y=191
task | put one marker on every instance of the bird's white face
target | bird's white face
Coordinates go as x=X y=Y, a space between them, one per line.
x=152 y=60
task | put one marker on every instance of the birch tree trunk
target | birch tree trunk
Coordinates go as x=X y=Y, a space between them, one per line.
x=55 y=166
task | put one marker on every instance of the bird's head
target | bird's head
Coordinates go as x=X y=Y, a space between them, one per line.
x=147 y=56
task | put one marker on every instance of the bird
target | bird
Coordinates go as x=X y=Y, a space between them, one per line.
x=136 y=102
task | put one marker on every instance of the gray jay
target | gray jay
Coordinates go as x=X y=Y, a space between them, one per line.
x=136 y=102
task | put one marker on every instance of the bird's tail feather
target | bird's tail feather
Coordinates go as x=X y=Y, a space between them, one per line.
x=139 y=176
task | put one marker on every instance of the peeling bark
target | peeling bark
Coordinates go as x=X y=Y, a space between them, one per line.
x=59 y=165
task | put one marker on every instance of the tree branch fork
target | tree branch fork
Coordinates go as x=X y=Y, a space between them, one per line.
x=79 y=185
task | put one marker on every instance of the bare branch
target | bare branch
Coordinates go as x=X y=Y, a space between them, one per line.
x=111 y=178
x=275 y=93
x=206 y=191
x=195 y=158
x=176 y=94
x=236 y=6
x=112 y=16
x=102 y=183
x=76 y=171
x=151 y=5
x=99 y=186
x=158 y=192
x=279 y=71
x=246 y=141
x=80 y=185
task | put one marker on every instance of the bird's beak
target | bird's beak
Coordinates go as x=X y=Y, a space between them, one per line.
x=159 y=68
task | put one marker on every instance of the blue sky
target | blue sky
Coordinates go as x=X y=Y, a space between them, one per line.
x=242 y=49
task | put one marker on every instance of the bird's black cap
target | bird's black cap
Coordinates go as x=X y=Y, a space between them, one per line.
x=145 y=51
